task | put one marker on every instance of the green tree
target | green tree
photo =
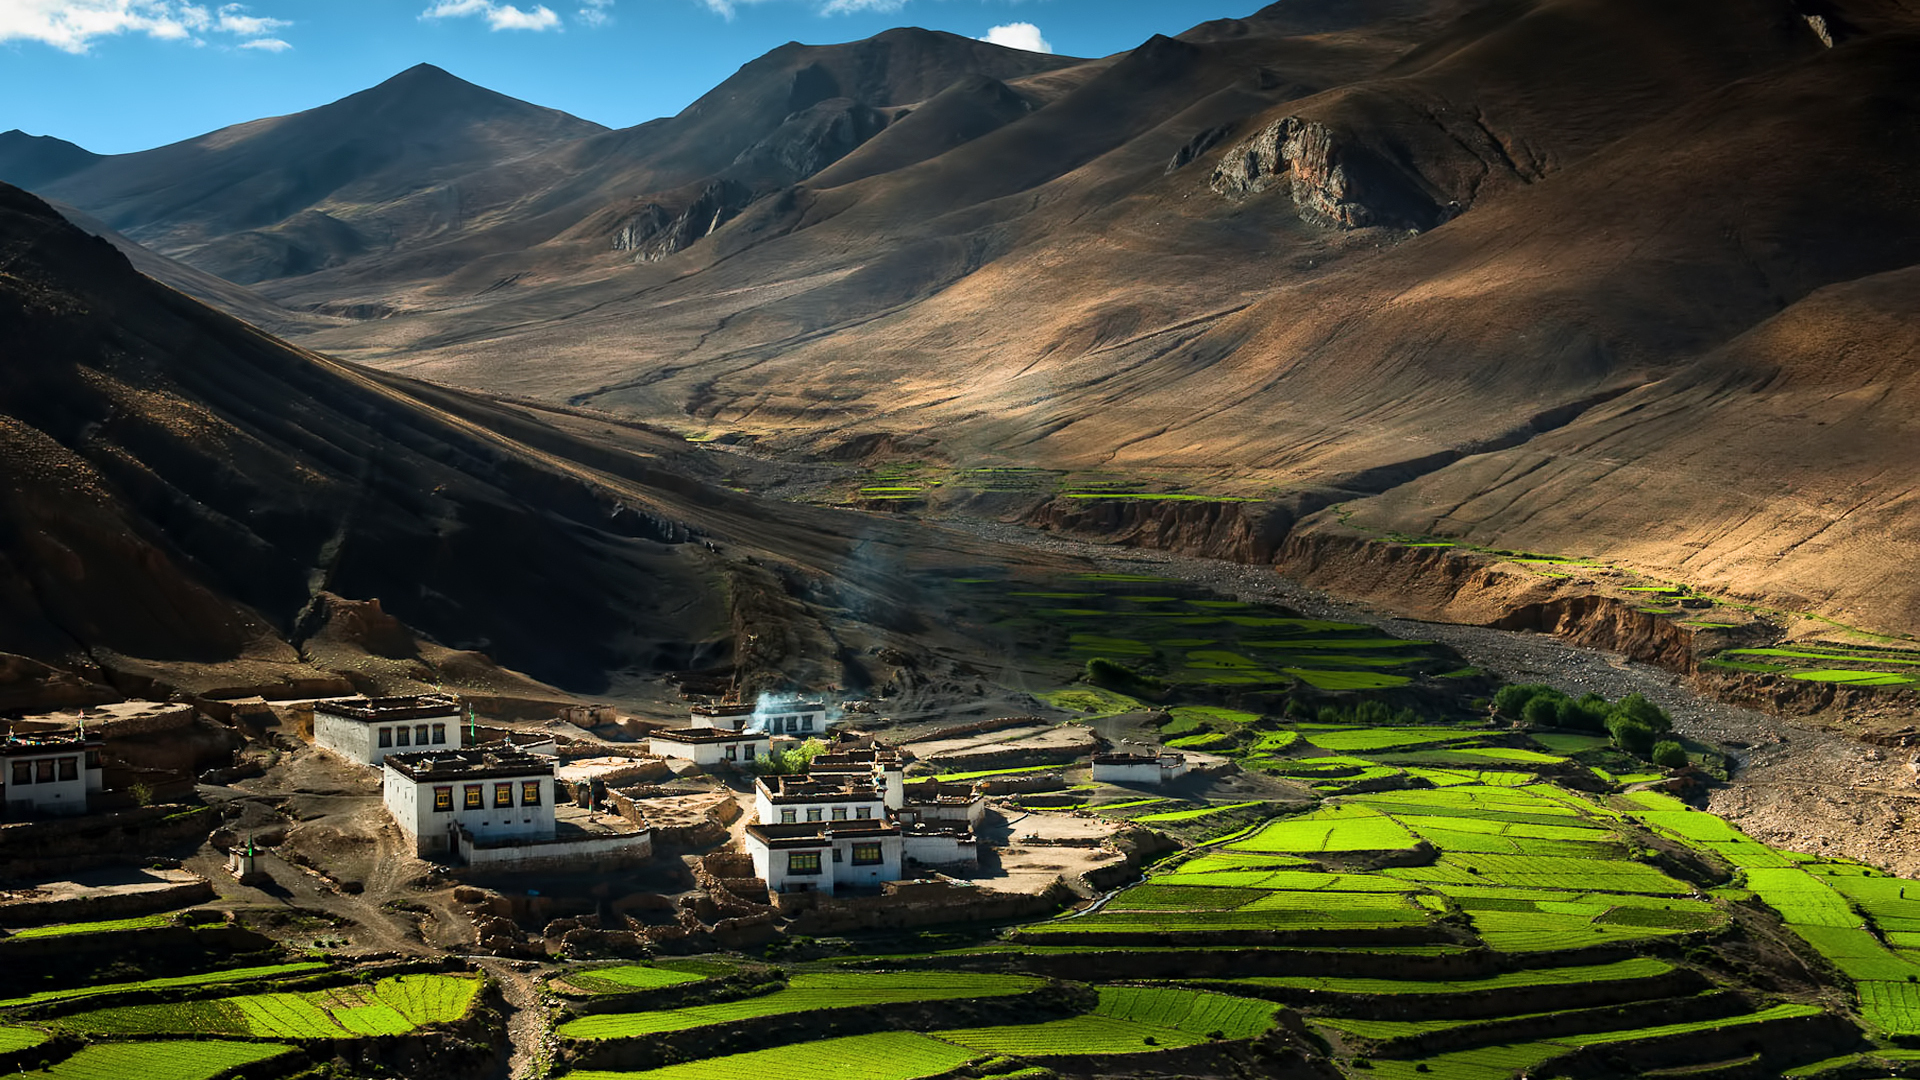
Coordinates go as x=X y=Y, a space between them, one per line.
x=1543 y=711
x=1511 y=701
x=1670 y=755
x=1631 y=735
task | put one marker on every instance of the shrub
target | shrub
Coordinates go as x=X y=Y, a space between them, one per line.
x=1111 y=675
x=1583 y=715
x=1669 y=754
x=1638 y=708
x=1511 y=701
x=790 y=762
x=1543 y=710
x=1631 y=734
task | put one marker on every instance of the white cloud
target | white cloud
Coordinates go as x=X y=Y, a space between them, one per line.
x=1020 y=35
x=595 y=13
x=854 y=7
x=498 y=16
x=74 y=25
x=271 y=44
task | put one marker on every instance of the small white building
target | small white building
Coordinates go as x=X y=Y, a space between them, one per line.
x=49 y=774
x=709 y=747
x=797 y=800
x=1139 y=768
x=730 y=715
x=489 y=793
x=802 y=718
x=878 y=765
x=825 y=856
x=366 y=730
x=936 y=805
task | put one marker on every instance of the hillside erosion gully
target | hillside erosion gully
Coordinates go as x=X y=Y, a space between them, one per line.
x=1820 y=789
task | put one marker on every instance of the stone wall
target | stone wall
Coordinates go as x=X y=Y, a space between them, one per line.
x=106 y=905
x=35 y=849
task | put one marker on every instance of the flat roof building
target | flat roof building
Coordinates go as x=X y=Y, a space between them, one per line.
x=366 y=730
x=49 y=774
x=1139 y=768
x=492 y=792
x=708 y=747
x=825 y=856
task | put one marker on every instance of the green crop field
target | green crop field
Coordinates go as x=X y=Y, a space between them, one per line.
x=1127 y=1020
x=144 y=922
x=1189 y=815
x=392 y=1006
x=198 y=1060
x=886 y=1055
x=248 y=974
x=1639 y=967
x=1363 y=739
x=1340 y=828
x=805 y=992
x=19 y=1038
x=627 y=977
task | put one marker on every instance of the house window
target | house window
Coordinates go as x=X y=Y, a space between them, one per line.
x=839 y=813
x=401 y=734
x=732 y=753
x=813 y=813
x=803 y=862
x=866 y=855
x=443 y=799
x=439 y=734
x=43 y=771
x=837 y=857
x=863 y=812
x=69 y=768
x=476 y=800
x=386 y=737
x=503 y=795
x=420 y=735
x=530 y=793
x=93 y=759
x=788 y=817
x=22 y=772
x=806 y=724
x=749 y=751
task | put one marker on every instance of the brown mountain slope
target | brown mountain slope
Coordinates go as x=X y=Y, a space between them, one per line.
x=188 y=503
x=31 y=160
x=1782 y=467
x=294 y=193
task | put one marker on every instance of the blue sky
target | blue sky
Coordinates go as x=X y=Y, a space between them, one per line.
x=122 y=75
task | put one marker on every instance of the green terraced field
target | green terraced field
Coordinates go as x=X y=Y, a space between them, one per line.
x=144 y=922
x=392 y=1006
x=249 y=974
x=628 y=977
x=1190 y=815
x=1364 y=739
x=887 y=1055
x=198 y=1060
x=1339 y=828
x=19 y=1038
x=806 y=991
x=1127 y=1020
x=1639 y=967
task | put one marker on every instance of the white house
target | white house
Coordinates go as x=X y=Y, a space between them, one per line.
x=802 y=718
x=879 y=765
x=795 y=800
x=366 y=730
x=938 y=805
x=825 y=856
x=48 y=774
x=493 y=792
x=1139 y=768
x=731 y=715
x=708 y=747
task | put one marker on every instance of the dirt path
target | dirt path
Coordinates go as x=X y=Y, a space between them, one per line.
x=528 y=1031
x=1795 y=785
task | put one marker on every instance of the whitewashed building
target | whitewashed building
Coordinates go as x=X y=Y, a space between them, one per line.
x=802 y=718
x=489 y=793
x=825 y=856
x=1139 y=768
x=49 y=775
x=710 y=747
x=796 y=800
x=730 y=715
x=366 y=730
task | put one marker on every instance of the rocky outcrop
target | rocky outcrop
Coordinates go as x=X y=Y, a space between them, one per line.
x=1236 y=531
x=809 y=141
x=656 y=232
x=1334 y=181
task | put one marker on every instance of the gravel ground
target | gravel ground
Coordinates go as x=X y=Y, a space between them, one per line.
x=1794 y=785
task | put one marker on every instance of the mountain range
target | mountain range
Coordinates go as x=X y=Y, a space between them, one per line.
x=1622 y=278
